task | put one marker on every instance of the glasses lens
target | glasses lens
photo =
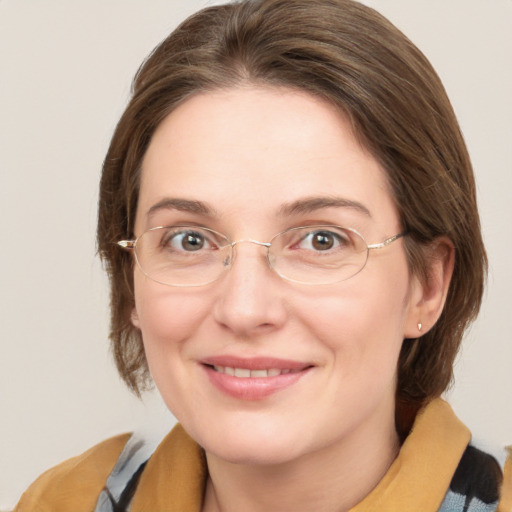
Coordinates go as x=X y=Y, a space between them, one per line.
x=318 y=254
x=183 y=255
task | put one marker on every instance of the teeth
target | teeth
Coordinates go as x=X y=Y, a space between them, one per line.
x=245 y=373
x=242 y=372
x=259 y=373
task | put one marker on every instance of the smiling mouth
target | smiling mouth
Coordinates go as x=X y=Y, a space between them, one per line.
x=246 y=373
x=253 y=378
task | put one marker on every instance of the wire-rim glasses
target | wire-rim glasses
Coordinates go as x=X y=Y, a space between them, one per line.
x=196 y=255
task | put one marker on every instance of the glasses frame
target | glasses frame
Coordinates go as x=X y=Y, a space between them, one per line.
x=131 y=245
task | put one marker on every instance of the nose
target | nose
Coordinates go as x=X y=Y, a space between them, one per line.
x=251 y=295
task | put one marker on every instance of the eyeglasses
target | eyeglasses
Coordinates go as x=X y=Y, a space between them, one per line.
x=196 y=256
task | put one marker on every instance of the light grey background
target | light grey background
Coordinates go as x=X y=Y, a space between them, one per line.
x=65 y=72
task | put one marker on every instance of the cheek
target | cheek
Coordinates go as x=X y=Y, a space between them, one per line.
x=363 y=324
x=166 y=316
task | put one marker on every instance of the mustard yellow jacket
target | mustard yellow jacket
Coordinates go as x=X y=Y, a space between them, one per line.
x=173 y=480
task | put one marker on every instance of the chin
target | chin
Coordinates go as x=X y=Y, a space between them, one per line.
x=251 y=454
x=252 y=446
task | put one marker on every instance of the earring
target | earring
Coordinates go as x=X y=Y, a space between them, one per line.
x=419 y=326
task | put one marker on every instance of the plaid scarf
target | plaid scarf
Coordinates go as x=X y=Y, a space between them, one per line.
x=475 y=484
x=474 y=487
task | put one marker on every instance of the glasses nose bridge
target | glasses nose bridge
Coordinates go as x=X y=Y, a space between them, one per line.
x=250 y=241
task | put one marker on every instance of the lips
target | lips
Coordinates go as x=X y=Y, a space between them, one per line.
x=255 y=378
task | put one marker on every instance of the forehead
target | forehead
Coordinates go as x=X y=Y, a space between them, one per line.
x=248 y=149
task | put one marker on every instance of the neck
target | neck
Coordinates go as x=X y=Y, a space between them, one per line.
x=331 y=479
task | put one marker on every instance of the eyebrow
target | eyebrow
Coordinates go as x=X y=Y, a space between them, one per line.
x=300 y=206
x=182 y=205
x=312 y=204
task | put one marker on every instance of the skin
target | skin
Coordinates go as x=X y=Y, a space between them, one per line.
x=324 y=442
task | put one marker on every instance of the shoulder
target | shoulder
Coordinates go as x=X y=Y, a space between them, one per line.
x=76 y=483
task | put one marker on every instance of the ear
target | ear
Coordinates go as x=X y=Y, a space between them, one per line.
x=134 y=317
x=429 y=296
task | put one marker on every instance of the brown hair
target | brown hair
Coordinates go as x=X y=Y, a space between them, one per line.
x=358 y=61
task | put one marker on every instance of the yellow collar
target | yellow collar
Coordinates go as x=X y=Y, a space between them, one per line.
x=421 y=474
x=418 y=479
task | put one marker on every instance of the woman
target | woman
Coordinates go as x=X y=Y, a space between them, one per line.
x=288 y=218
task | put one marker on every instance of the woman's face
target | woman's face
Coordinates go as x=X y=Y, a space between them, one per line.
x=249 y=161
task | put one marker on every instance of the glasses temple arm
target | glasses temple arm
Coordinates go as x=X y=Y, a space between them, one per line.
x=386 y=242
x=126 y=244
